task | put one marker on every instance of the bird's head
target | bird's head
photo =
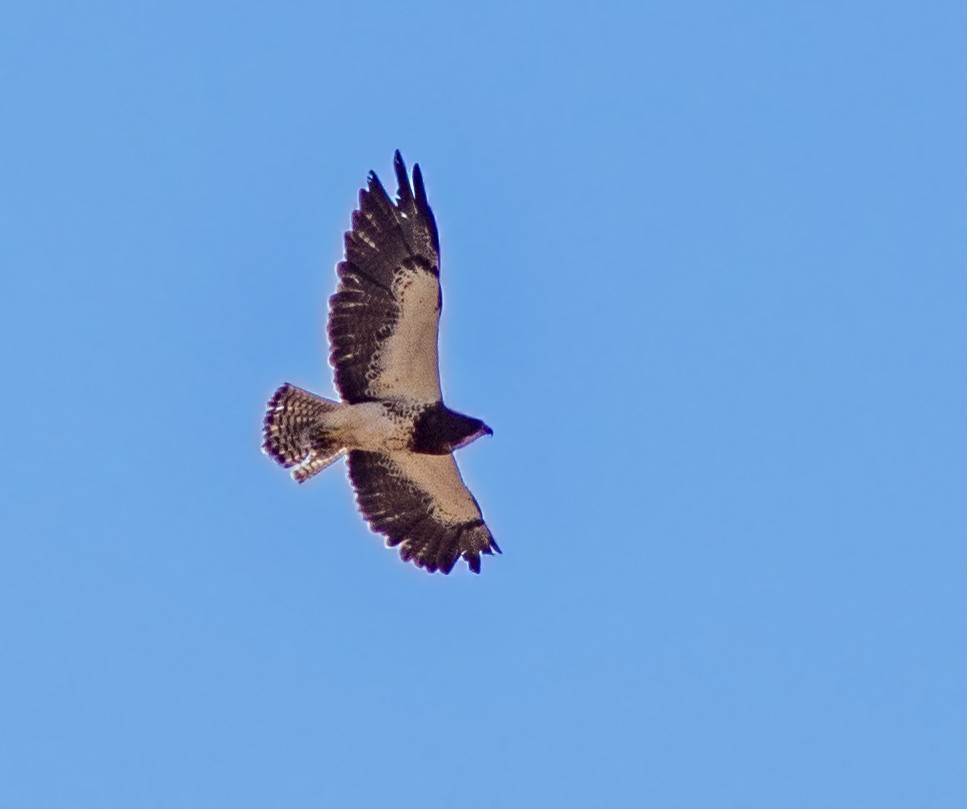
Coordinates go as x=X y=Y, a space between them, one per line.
x=439 y=430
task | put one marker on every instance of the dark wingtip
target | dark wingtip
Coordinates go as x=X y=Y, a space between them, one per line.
x=418 y=185
x=447 y=557
x=423 y=205
x=404 y=192
x=375 y=187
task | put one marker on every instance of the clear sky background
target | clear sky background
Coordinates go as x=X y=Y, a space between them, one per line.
x=705 y=274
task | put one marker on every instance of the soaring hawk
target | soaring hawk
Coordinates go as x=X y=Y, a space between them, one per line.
x=391 y=422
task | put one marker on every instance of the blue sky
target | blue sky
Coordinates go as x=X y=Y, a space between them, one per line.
x=705 y=274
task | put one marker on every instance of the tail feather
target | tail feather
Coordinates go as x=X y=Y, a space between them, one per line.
x=295 y=435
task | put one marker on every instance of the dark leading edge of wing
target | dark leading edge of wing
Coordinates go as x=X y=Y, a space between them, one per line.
x=421 y=504
x=386 y=239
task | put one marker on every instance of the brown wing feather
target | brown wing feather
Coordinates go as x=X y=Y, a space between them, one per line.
x=421 y=504
x=384 y=317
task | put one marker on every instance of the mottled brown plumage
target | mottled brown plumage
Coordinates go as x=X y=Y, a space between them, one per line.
x=398 y=434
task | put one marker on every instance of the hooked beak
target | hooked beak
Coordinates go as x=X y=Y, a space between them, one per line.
x=482 y=430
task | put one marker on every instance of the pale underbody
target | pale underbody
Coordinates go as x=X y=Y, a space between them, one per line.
x=371 y=426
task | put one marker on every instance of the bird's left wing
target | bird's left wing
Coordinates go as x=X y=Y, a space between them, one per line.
x=420 y=503
x=385 y=315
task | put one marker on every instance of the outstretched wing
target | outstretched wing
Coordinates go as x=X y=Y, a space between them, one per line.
x=385 y=314
x=420 y=503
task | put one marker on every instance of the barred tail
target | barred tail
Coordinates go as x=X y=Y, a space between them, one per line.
x=294 y=432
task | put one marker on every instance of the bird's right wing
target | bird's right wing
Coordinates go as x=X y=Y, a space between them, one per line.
x=420 y=503
x=385 y=314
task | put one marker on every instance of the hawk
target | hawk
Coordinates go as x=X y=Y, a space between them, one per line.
x=398 y=435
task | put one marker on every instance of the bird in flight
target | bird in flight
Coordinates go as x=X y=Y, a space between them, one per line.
x=398 y=435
